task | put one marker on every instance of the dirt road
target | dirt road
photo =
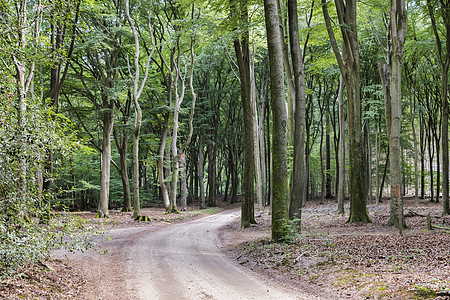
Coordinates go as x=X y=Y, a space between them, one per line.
x=179 y=261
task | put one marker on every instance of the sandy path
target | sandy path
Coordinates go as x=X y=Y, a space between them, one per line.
x=176 y=261
x=183 y=261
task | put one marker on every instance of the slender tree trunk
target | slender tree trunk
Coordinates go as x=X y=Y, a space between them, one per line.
x=136 y=133
x=262 y=148
x=298 y=192
x=212 y=157
x=377 y=161
x=201 y=172
x=445 y=159
x=161 y=177
x=412 y=114
x=341 y=193
x=279 y=149
x=430 y=161
x=124 y=174
x=256 y=143
x=243 y=59
x=108 y=122
x=183 y=200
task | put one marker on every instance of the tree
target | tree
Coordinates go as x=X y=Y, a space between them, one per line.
x=242 y=50
x=279 y=142
x=98 y=55
x=137 y=91
x=398 y=24
x=346 y=11
x=299 y=169
x=444 y=63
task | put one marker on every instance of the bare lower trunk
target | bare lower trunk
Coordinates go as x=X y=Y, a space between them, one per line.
x=137 y=130
x=341 y=184
x=256 y=143
x=201 y=173
x=161 y=177
x=183 y=201
x=108 y=122
x=298 y=192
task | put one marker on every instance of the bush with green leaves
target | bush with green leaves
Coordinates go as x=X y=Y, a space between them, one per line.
x=24 y=146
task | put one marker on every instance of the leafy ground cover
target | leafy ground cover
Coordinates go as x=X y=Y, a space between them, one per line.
x=356 y=261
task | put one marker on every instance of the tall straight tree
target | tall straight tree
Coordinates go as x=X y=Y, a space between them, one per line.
x=137 y=91
x=241 y=47
x=398 y=25
x=346 y=12
x=298 y=193
x=444 y=62
x=278 y=103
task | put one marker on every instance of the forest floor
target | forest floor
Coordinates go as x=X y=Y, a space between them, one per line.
x=330 y=259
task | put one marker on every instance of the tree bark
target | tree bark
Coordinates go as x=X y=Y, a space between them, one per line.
x=298 y=192
x=279 y=149
x=398 y=29
x=160 y=162
x=412 y=114
x=183 y=200
x=108 y=122
x=341 y=193
x=201 y=172
x=242 y=51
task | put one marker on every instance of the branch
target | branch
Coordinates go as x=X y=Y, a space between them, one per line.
x=333 y=42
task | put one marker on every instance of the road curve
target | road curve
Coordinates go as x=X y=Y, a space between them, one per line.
x=183 y=261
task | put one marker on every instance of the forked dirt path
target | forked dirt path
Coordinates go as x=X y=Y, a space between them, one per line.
x=175 y=261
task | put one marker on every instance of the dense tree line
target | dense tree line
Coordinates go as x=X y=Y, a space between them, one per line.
x=277 y=101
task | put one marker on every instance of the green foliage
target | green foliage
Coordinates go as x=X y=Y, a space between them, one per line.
x=293 y=229
x=27 y=242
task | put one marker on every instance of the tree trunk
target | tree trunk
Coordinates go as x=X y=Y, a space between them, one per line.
x=398 y=29
x=279 y=149
x=136 y=133
x=341 y=193
x=212 y=173
x=298 y=192
x=412 y=114
x=445 y=159
x=183 y=200
x=161 y=177
x=243 y=60
x=256 y=143
x=328 y=194
x=201 y=172
x=108 y=122
x=124 y=173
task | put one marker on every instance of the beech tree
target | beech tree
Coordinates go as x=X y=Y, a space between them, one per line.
x=443 y=10
x=299 y=169
x=346 y=11
x=136 y=94
x=398 y=23
x=279 y=142
x=242 y=50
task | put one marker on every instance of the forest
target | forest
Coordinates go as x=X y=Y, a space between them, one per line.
x=122 y=105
